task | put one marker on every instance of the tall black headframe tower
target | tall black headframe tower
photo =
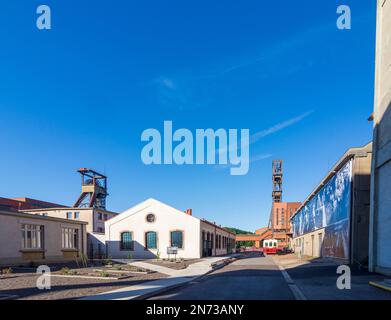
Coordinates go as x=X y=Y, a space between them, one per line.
x=277 y=180
x=93 y=190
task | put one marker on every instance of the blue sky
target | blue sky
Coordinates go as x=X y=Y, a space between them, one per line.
x=81 y=94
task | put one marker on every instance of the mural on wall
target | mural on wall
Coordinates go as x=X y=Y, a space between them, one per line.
x=329 y=209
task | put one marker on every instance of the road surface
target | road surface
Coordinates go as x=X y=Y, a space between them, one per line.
x=254 y=277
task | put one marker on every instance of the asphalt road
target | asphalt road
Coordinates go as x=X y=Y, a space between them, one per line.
x=251 y=278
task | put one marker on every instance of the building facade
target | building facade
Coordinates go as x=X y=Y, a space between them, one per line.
x=95 y=219
x=280 y=221
x=333 y=222
x=16 y=204
x=26 y=238
x=150 y=228
x=380 y=235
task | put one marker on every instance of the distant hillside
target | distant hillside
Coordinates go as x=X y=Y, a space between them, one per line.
x=238 y=231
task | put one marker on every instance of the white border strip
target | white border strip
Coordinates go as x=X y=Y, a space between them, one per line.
x=294 y=288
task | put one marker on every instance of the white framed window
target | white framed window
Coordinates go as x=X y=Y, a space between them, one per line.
x=70 y=238
x=32 y=236
x=77 y=215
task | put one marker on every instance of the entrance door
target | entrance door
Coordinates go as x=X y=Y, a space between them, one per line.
x=320 y=244
x=312 y=245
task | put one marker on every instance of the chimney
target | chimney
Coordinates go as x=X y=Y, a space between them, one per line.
x=189 y=212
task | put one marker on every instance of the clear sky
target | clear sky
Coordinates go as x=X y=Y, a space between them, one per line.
x=81 y=94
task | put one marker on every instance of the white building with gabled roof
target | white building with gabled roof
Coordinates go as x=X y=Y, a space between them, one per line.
x=148 y=229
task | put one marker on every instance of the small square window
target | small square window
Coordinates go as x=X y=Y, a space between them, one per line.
x=100 y=216
x=69 y=215
x=77 y=215
x=105 y=216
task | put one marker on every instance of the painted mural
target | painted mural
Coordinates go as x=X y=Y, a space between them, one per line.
x=329 y=209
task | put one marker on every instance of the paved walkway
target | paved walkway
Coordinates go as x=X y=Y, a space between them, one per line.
x=317 y=280
x=252 y=277
x=176 y=278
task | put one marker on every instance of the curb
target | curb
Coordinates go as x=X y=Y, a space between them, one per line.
x=381 y=285
x=175 y=286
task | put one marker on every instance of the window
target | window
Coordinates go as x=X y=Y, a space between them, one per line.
x=44 y=214
x=99 y=216
x=77 y=215
x=69 y=215
x=70 y=238
x=32 y=236
x=150 y=218
x=177 y=239
x=151 y=240
x=277 y=216
x=127 y=241
x=101 y=230
x=105 y=216
x=282 y=217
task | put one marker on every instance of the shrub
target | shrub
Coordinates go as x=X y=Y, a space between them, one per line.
x=107 y=262
x=7 y=271
x=65 y=270
x=104 y=274
x=84 y=259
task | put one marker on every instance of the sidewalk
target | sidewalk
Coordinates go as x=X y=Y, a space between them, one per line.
x=317 y=280
x=176 y=278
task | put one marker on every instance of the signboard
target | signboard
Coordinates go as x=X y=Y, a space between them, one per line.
x=172 y=250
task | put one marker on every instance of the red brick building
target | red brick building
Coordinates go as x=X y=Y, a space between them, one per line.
x=280 y=221
x=16 y=204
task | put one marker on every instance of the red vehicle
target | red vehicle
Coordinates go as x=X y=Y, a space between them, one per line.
x=270 y=246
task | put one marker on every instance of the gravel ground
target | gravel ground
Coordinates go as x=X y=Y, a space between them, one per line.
x=24 y=286
x=173 y=265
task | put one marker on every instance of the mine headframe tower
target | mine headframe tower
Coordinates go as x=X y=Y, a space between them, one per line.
x=277 y=180
x=93 y=190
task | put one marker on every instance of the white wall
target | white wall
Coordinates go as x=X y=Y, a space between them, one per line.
x=380 y=236
x=167 y=219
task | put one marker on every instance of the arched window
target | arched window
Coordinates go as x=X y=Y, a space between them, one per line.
x=177 y=239
x=127 y=241
x=151 y=240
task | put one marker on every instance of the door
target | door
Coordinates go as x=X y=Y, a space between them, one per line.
x=312 y=245
x=320 y=245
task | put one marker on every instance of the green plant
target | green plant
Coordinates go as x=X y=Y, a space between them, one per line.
x=65 y=270
x=7 y=271
x=84 y=259
x=104 y=274
x=106 y=262
x=117 y=267
x=158 y=254
x=130 y=256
